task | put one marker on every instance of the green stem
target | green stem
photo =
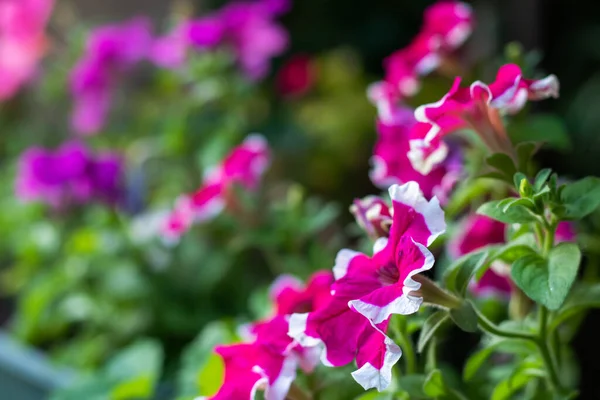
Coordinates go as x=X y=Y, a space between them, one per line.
x=549 y=239
x=545 y=351
x=493 y=329
x=408 y=351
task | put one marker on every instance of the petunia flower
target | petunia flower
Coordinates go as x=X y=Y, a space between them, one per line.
x=373 y=214
x=368 y=290
x=269 y=360
x=69 y=175
x=248 y=28
x=391 y=164
x=479 y=107
x=446 y=25
x=243 y=166
x=110 y=52
x=23 y=41
x=478 y=231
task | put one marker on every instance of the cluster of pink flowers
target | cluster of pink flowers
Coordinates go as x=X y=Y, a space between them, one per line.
x=268 y=360
x=447 y=24
x=342 y=317
x=23 y=41
x=479 y=107
x=391 y=164
x=110 y=52
x=249 y=28
x=478 y=231
x=243 y=166
x=69 y=175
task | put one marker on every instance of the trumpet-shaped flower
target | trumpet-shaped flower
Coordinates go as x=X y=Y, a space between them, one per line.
x=478 y=231
x=22 y=41
x=248 y=28
x=479 y=107
x=269 y=362
x=244 y=166
x=375 y=287
x=391 y=164
x=110 y=52
x=68 y=175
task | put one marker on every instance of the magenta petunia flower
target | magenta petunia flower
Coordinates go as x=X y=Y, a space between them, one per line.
x=270 y=359
x=368 y=290
x=446 y=25
x=244 y=166
x=296 y=77
x=478 y=107
x=478 y=231
x=373 y=214
x=248 y=28
x=69 y=175
x=110 y=52
x=391 y=164
x=23 y=41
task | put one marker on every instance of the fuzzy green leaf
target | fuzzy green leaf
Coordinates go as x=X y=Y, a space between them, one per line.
x=581 y=198
x=548 y=281
x=431 y=325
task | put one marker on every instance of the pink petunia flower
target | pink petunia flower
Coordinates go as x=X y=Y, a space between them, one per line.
x=270 y=360
x=368 y=290
x=373 y=214
x=249 y=28
x=391 y=164
x=243 y=166
x=478 y=231
x=446 y=25
x=23 y=41
x=479 y=107
x=69 y=175
x=110 y=52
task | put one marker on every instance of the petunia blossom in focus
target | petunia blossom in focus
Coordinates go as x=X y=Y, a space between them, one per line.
x=111 y=51
x=69 y=175
x=243 y=166
x=479 y=107
x=368 y=290
x=391 y=164
x=23 y=41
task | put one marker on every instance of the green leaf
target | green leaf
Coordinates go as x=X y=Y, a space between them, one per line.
x=431 y=325
x=517 y=178
x=582 y=297
x=413 y=385
x=138 y=368
x=461 y=272
x=525 y=152
x=548 y=281
x=546 y=128
x=200 y=367
x=581 y=198
x=434 y=385
x=522 y=375
x=477 y=360
x=465 y=317
x=541 y=178
x=503 y=163
x=506 y=211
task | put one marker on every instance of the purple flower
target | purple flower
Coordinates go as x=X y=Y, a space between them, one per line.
x=249 y=28
x=69 y=175
x=110 y=52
